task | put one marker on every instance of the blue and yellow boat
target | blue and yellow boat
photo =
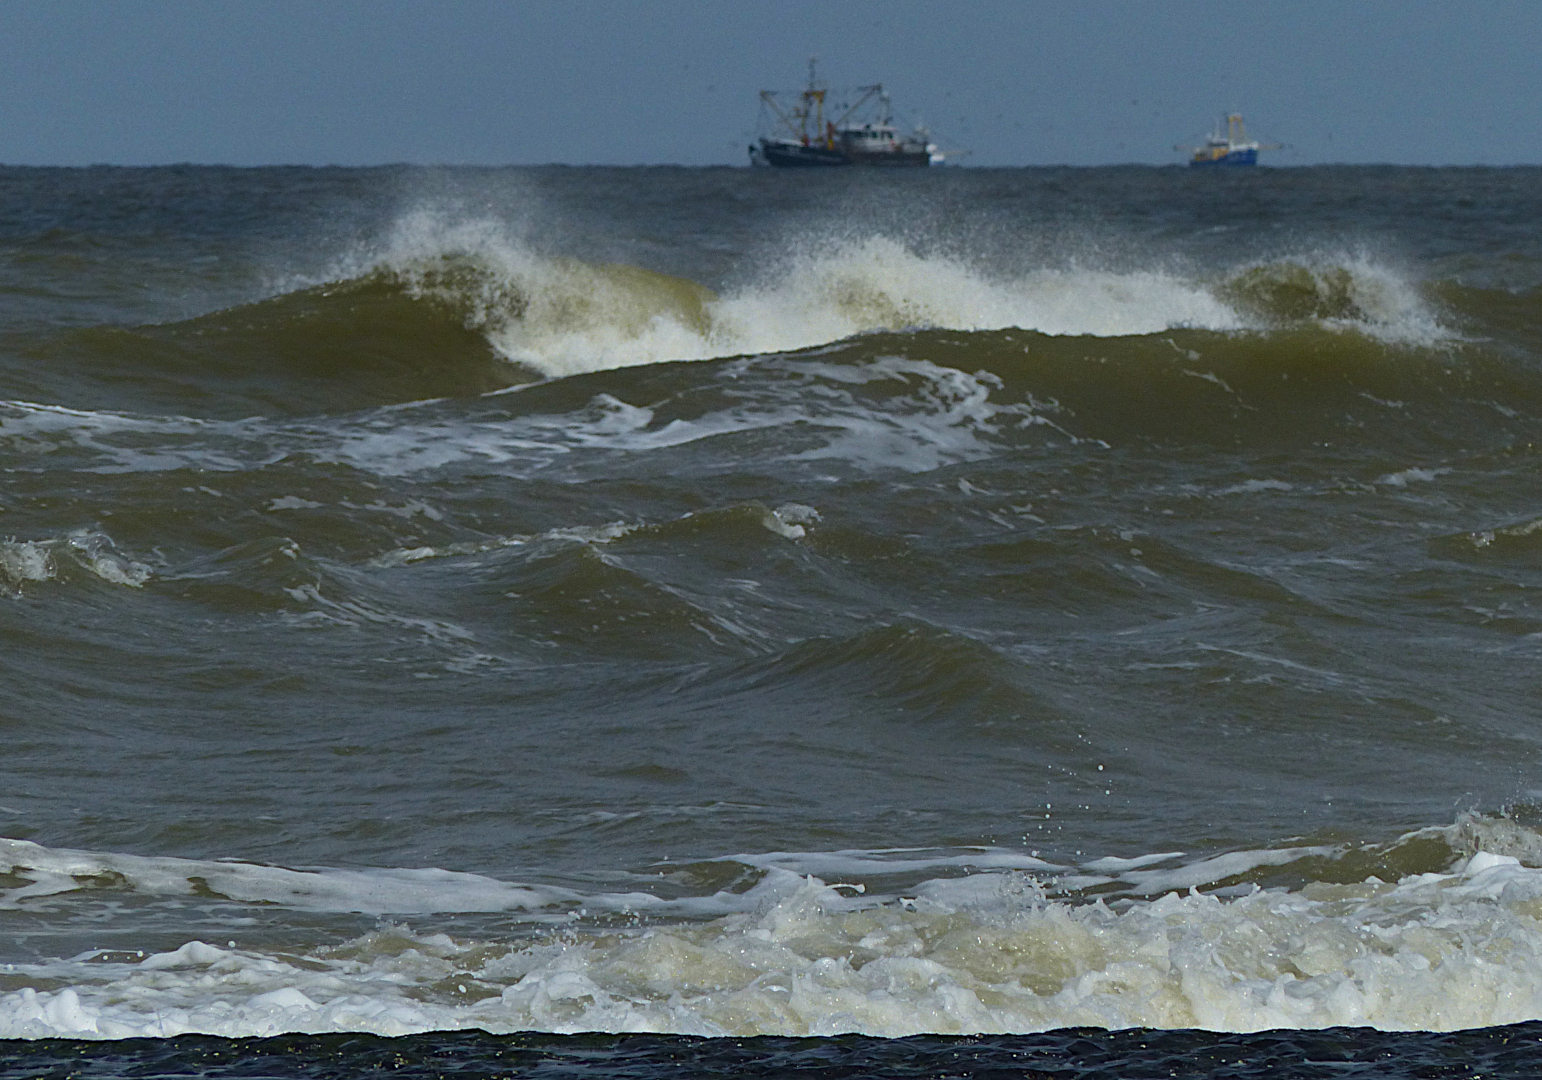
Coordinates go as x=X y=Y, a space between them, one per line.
x=1232 y=148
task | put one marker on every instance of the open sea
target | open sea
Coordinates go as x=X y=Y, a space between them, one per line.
x=667 y=622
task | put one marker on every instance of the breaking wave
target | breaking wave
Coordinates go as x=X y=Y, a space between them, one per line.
x=561 y=317
x=456 y=310
x=1440 y=930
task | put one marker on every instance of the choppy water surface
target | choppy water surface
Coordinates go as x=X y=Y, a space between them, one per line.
x=724 y=603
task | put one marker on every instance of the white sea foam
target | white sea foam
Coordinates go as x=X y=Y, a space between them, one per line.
x=989 y=951
x=847 y=411
x=1253 y=487
x=941 y=416
x=1411 y=476
x=52 y=871
x=1387 y=305
x=115 y=442
x=889 y=861
x=879 y=284
x=985 y=953
x=23 y=561
x=1337 y=289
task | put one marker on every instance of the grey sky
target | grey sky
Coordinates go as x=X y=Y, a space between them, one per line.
x=670 y=81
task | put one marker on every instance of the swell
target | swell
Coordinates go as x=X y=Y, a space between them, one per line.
x=1303 y=385
x=1509 y=316
x=333 y=348
x=1306 y=385
x=912 y=401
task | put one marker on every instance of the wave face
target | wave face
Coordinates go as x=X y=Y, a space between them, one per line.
x=711 y=603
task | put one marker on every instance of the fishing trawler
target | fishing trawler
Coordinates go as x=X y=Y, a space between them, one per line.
x=1232 y=148
x=863 y=133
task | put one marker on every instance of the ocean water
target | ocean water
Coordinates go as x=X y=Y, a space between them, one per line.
x=739 y=606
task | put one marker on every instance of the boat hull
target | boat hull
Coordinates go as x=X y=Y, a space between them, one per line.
x=894 y=158
x=1229 y=160
x=791 y=155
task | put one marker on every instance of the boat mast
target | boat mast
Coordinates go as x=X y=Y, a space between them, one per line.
x=810 y=107
x=814 y=105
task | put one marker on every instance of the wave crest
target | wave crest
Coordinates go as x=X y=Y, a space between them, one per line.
x=1345 y=292
x=560 y=316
